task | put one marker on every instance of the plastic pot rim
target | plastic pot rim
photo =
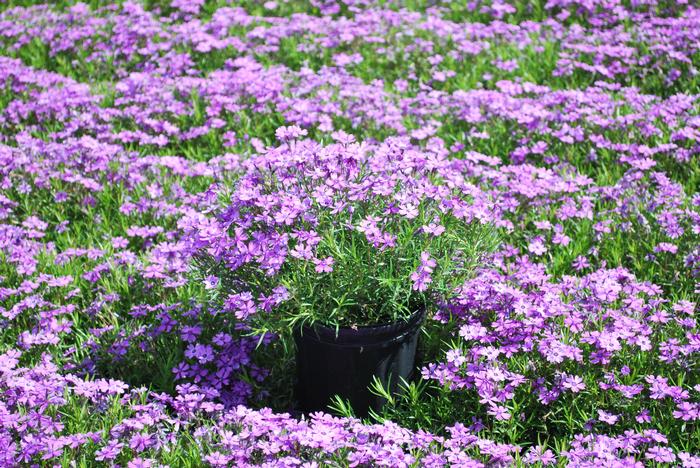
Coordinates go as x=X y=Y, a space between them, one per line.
x=372 y=335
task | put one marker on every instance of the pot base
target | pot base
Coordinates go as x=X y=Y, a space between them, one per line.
x=344 y=364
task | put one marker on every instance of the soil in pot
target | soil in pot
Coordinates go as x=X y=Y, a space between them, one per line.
x=343 y=362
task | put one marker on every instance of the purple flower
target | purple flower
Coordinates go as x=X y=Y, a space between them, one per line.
x=574 y=383
x=660 y=454
x=140 y=442
x=607 y=418
x=211 y=282
x=324 y=266
x=289 y=133
x=581 y=263
x=421 y=277
x=499 y=412
x=536 y=246
x=109 y=451
x=433 y=229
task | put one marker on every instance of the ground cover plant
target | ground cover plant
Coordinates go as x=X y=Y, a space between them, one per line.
x=133 y=135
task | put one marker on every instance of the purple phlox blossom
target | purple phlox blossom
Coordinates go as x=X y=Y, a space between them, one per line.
x=421 y=277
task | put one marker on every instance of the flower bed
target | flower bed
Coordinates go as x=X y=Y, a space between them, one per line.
x=184 y=184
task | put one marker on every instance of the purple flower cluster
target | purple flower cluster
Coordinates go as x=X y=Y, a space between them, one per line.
x=356 y=212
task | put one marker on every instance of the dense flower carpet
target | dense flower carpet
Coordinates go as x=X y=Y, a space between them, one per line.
x=136 y=134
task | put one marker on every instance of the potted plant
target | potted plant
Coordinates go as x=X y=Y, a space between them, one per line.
x=345 y=247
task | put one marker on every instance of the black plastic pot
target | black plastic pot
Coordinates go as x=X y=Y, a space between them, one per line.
x=343 y=363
